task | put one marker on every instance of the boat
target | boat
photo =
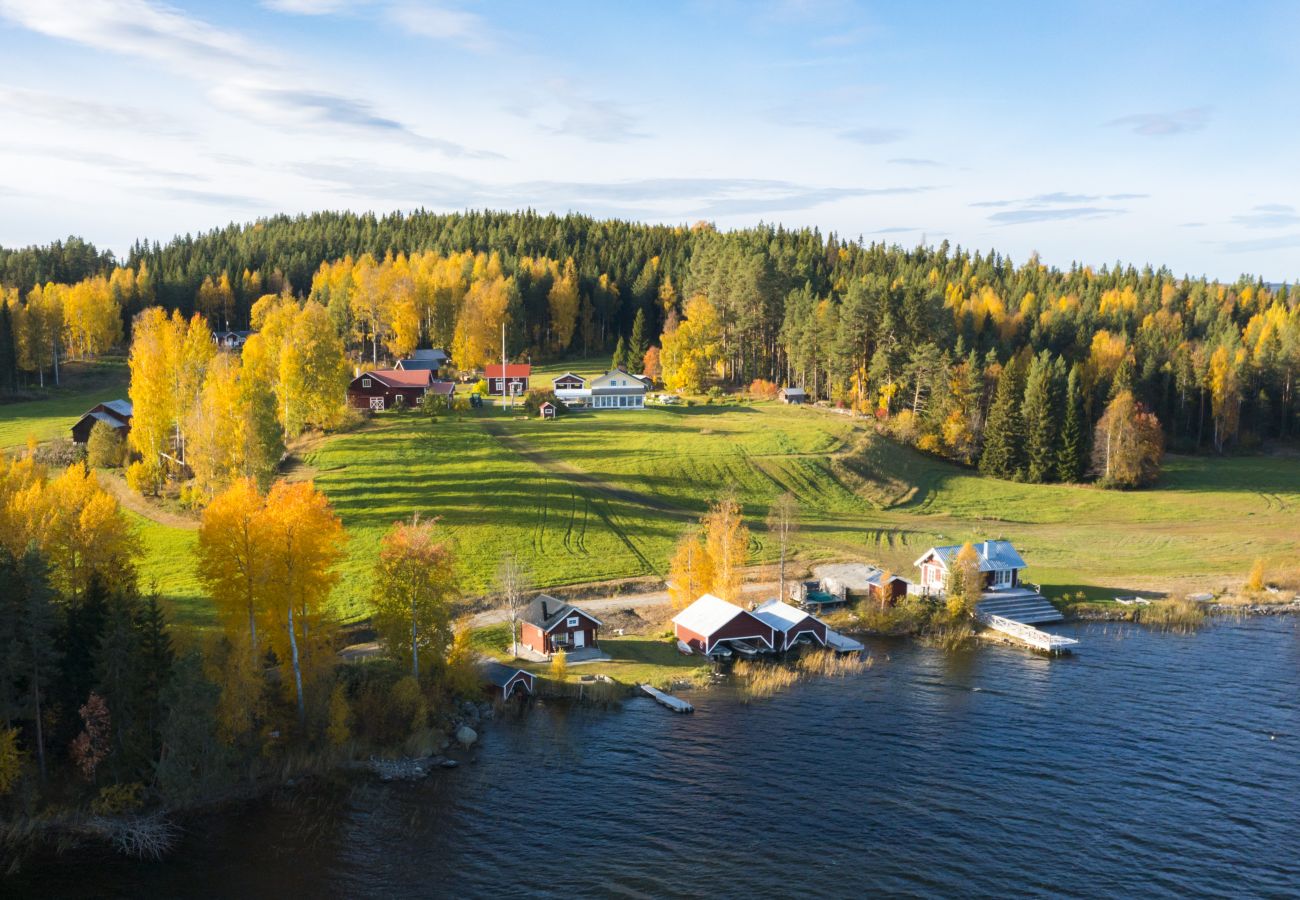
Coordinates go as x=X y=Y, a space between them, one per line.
x=720 y=652
x=749 y=651
x=684 y=648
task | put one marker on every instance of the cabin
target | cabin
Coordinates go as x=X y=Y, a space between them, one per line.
x=709 y=623
x=999 y=562
x=381 y=389
x=855 y=582
x=425 y=360
x=792 y=626
x=116 y=414
x=792 y=395
x=617 y=389
x=515 y=380
x=504 y=682
x=549 y=625
x=232 y=340
x=571 y=388
x=546 y=410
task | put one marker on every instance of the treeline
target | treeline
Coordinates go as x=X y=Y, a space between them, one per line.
x=878 y=328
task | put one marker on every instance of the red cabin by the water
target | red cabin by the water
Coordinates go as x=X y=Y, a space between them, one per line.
x=550 y=625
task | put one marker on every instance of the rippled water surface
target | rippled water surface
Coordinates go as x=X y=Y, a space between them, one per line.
x=1147 y=765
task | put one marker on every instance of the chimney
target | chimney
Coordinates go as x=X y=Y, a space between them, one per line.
x=985 y=550
x=545 y=612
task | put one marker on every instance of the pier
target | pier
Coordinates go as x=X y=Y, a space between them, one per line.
x=1028 y=634
x=676 y=704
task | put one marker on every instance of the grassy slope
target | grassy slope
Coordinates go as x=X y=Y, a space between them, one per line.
x=83 y=385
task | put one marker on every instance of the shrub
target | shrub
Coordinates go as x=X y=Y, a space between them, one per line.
x=1255 y=582
x=192 y=496
x=118 y=799
x=715 y=393
x=534 y=399
x=560 y=667
x=59 y=454
x=105 y=448
x=480 y=387
x=11 y=760
x=763 y=389
x=339 y=730
x=143 y=479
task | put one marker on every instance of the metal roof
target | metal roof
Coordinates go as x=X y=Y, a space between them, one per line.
x=500 y=674
x=992 y=555
x=707 y=614
x=780 y=615
x=546 y=612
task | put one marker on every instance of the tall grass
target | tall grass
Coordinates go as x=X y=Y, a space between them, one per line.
x=1176 y=614
x=760 y=680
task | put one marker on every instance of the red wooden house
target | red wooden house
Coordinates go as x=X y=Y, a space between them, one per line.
x=515 y=381
x=504 y=682
x=711 y=621
x=116 y=414
x=550 y=625
x=386 y=388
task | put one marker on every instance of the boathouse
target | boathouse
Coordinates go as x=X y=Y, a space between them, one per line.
x=504 y=682
x=549 y=625
x=791 y=625
x=710 y=622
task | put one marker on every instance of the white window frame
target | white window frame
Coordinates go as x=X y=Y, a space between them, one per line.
x=572 y=622
x=365 y=382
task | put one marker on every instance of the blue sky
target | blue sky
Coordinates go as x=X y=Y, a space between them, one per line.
x=1145 y=132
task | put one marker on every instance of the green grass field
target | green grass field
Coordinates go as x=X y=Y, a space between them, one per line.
x=84 y=384
x=594 y=496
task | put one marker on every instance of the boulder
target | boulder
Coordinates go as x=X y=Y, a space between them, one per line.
x=466 y=735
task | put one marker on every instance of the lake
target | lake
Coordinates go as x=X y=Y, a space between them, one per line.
x=1147 y=764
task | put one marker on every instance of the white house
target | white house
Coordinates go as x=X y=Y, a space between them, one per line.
x=998 y=560
x=617 y=389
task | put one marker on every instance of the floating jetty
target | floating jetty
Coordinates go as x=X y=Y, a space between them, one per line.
x=676 y=704
x=841 y=644
x=1028 y=634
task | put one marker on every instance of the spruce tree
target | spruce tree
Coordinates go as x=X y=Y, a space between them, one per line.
x=1004 y=433
x=8 y=352
x=1074 y=433
x=1041 y=415
x=638 y=345
x=620 y=354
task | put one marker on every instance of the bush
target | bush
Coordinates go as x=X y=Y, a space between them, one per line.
x=339 y=730
x=105 y=448
x=715 y=393
x=480 y=387
x=118 y=799
x=59 y=454
x=534 y=399
x=762 y=389
x=143 y=479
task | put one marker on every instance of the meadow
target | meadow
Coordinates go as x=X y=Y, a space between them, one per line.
x=601 y=496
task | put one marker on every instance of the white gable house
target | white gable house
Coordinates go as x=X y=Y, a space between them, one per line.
x=617 y=389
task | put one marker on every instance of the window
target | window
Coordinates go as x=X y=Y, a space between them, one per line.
x=1002 y=577
x=572 y=622
x=365 y=382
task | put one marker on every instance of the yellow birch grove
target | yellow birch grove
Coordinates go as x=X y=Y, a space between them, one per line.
x=690 y=352
x=563 y=300
x=713 y=560
x=415 y=584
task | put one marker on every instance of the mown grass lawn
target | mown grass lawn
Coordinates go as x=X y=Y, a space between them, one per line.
x=84 y=384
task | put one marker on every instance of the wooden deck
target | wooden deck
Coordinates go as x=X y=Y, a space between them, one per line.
x=1034 y=637
x=676 y=704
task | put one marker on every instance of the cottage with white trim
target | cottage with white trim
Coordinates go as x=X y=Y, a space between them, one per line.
x=550 y=625
x=998 y=560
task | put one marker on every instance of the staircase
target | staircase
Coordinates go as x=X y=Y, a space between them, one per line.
x=1020 y=605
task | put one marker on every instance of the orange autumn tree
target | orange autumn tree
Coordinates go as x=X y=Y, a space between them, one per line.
x=415 y=584
x=712 y=560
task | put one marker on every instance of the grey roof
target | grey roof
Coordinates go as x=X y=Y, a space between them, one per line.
x=793 y=391
x=122 y=407
x=500 y=674
x=104 y=417
x=993 y=555
x=546 y=612
x=443 y=387
x=421 y=365
x=853 y=576
x=435 y=355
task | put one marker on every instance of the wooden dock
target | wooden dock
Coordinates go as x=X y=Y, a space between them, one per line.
x=1028 y=634
x=842 y=644
x=676 y=704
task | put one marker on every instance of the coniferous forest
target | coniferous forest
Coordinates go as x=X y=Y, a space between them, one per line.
x=971 y=355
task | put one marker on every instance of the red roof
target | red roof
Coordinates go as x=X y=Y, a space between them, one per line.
x=513 y=370
x=401 y=377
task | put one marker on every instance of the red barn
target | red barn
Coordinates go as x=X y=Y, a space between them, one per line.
x=387 y=388
x=114 y=413
x=504 y=682
x=711 y=621
x=516 y=378
x=550 y=625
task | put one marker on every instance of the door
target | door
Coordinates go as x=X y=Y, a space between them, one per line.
x=377 y=403
x=579 y=640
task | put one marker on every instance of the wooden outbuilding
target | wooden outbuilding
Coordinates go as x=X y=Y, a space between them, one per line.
x=546 y=410
x=792 y=395
x=504 y=682
x=116 y=414
x=380 y=389
x=711 y=622
x=549 y=625
x=425 y=359
x=791 y=625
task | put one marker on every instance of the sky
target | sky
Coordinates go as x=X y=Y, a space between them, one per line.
x=1142 y=132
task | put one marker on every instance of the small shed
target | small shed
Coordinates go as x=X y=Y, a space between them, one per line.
x=504 y=681
x=790 y=624
x=549 y=625
x=792 y=395
x=546 y=410
x=860 y=581
x=116 y=414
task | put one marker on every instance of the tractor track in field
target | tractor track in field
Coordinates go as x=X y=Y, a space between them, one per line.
x=605 y=490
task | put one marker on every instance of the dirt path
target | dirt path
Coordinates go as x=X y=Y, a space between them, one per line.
x=129 y=499
x=573 y=474
x=756 y=591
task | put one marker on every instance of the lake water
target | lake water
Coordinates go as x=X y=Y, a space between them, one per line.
x=1148 y=764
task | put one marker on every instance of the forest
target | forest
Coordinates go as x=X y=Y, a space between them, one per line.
x=959 y=352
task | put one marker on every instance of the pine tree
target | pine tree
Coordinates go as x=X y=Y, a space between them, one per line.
x=1004 y=433
x=36 y=639
x=1040 y=412
x=1073 y=454
x=8 y=351
x=638 y=345
x=620 y=354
